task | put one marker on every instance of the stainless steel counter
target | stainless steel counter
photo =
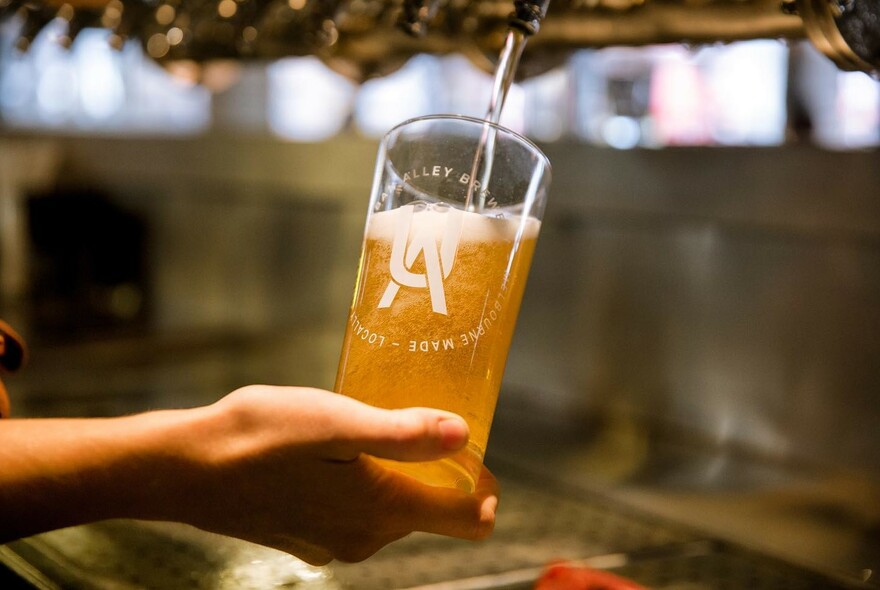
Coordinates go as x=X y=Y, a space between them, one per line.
x=538 y=524
x=669 y=512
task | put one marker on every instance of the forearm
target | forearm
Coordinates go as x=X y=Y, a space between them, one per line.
x=280 y=466
x=62 y=472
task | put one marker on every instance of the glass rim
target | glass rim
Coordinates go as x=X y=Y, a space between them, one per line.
x=468 y=119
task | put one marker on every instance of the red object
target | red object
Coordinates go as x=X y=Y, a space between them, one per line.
x=562 y=576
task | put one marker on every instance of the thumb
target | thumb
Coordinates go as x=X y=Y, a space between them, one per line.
x=411 y=434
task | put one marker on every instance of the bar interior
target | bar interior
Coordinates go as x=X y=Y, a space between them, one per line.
x=692 y=396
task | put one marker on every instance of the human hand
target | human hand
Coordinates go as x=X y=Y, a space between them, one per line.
x=285 y=467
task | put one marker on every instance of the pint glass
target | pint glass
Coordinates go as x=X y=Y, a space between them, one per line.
x=454 y=216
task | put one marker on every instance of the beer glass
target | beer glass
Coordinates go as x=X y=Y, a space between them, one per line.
x=453 y=219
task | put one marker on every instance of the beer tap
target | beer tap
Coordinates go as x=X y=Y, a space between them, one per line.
x=416 y=14
x=125 y=20
x=848 y=31
x=77 y=20
x=528 y=14
x=358 y=37
x=35 y=17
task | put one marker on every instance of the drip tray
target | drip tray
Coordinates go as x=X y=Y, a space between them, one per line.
x=536 y=525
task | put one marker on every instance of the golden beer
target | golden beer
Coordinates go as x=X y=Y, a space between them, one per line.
x=435 y=303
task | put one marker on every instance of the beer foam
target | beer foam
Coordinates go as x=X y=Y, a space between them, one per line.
x=474 y=226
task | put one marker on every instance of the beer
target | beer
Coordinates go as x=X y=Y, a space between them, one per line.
x=455 y=212
x=436 y=300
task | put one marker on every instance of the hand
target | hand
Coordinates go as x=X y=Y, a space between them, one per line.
x=285 y=467
x=280 y=466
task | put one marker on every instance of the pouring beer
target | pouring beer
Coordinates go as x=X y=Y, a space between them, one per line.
x=442 y=273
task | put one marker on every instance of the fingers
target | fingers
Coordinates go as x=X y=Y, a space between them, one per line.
x=449 y=512
x=411 y=434
x=420 y=434
x=341 y=428
x=412 y=506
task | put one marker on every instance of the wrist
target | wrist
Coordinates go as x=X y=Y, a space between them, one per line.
x=64 y=472
x=171 y=452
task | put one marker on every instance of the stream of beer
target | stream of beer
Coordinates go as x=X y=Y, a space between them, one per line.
x=505 y=71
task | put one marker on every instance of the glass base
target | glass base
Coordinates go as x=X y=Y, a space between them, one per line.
x=461 y=471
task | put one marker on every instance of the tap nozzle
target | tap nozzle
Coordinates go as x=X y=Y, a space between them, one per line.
x=528 y=14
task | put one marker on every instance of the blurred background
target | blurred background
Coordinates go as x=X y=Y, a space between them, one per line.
x=699 y=341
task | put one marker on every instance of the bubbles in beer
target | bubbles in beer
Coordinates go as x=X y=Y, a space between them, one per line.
x=407 y=348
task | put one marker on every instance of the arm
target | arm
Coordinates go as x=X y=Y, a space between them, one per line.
x=61 y=472
x=279 y=466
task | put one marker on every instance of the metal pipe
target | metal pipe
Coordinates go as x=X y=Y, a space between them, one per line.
x=668 y=21
x=363 y=34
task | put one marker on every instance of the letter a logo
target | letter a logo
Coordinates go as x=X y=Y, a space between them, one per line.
x=410 y=240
